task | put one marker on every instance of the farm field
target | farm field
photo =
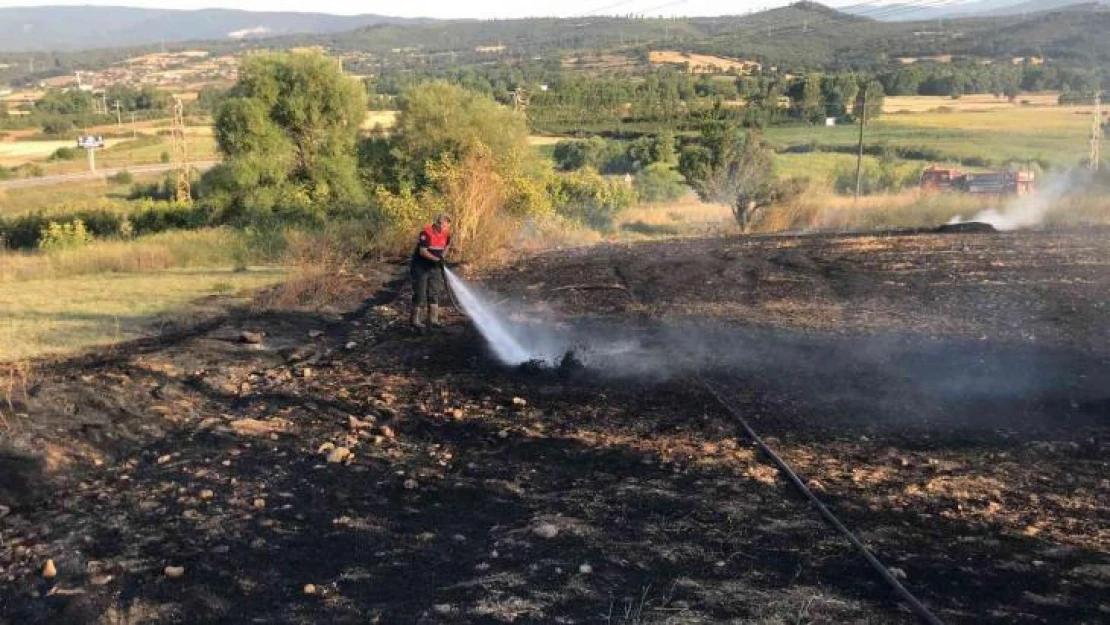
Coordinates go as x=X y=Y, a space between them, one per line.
x=699 y=62
x=967 y=102
x=13 y=153
x=62 y=197
x=1055 y=135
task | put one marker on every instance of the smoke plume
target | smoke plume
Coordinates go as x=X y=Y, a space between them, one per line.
x=1030 y=211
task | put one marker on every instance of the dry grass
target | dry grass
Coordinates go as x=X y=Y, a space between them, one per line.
x=15 y=378
x=542 y=140
x=145 y=150
x=824 y=210
x=66 y=315
x=318 y=264
x=14 y=153
x=382 y=119
x=47 y=199
x=976 y=102
x=686 y=217
x=169 y=250
x=699 y=63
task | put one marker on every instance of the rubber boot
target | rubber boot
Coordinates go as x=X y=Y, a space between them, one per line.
x=415 y=319
x=433 y=316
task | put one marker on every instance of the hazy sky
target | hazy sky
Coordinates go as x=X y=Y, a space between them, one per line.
x=456 y=8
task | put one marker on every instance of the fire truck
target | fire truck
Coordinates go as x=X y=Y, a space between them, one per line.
x=1006 y=182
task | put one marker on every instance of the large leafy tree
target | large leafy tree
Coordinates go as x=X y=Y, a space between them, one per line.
x=288 y=133
x=731 y=165
x=440 y=119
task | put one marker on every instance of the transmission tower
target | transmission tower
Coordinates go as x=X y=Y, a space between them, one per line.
x=180 y=153
x=1096 y=135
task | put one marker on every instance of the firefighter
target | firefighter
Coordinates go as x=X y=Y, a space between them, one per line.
x=426 y=270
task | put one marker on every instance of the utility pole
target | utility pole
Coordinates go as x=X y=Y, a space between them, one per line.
x=859 y=155
x=134 y=133
x=1096 y=135
x=119 y=116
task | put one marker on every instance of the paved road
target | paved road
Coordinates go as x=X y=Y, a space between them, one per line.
x=99 y=174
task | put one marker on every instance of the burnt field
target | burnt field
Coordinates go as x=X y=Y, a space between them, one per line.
x=947 y=396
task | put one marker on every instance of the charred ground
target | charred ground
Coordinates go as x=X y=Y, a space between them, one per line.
x=948 y=396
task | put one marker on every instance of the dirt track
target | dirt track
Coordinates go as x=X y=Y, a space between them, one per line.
x=948 y=396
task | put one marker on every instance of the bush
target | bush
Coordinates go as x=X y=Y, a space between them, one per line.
x=164 y=157
x=65 y=154
x=122 y=177
x=888 y=176
x=589 y=198
x=64 y=236
x=606 y=156
x=57 y=127
x=658 y=182
x=148 y=217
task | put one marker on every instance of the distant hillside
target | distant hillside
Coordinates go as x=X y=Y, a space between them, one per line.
x=972 y=8
x=85 y=27
x=800 y=37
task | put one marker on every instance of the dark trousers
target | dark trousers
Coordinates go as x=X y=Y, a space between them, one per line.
x=427 y=282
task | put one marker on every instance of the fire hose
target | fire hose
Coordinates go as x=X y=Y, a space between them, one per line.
x=914 y=603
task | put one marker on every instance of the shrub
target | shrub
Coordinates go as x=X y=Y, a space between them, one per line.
x=888 y=176
x=606 y=156
x=589 y=198
x=658 y=182
x=65 y=154
x=57 y=127
x=164 y=157
x=122 y=177
x=64 y=236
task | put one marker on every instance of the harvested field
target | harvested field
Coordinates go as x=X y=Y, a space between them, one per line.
x=701 y=63
x=968 y=102
x=946 y=395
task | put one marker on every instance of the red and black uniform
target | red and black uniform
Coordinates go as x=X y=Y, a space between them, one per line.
x=427 y=279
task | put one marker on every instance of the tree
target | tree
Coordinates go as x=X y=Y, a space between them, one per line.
x=439 y=119
x=871 y=91
x=812 y=108
x=459 y=151
x=733 y=167
x=287 y=132
x=210 y=98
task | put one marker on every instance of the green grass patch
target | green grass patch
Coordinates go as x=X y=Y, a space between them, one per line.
x=1052 y=136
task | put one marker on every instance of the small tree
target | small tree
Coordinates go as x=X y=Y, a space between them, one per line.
x=872 y=92
x=732 y=167
x=812 y=107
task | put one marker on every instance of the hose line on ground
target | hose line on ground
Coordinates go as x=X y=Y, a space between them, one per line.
x=916 y=606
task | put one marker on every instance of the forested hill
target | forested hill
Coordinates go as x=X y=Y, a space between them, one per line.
x=47 y=28
x=798 y=37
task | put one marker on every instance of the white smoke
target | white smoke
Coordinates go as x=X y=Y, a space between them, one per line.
x=511 y=345
x=1030 y=211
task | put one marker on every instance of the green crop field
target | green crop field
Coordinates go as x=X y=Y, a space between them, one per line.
x=1053 y=135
